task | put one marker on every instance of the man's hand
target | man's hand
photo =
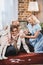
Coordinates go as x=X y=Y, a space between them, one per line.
x=9 y=41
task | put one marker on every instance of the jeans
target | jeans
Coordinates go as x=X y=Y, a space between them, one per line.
x=10 y=51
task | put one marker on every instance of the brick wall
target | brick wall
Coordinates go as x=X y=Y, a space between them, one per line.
x=23 y=9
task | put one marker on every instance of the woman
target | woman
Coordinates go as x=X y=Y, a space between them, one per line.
x=36 y=38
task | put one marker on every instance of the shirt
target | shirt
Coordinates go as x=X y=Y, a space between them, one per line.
x=32 y=30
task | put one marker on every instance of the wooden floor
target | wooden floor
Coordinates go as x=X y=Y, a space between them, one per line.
x=23 y=59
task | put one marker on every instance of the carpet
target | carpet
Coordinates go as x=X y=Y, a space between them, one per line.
x=23 y=59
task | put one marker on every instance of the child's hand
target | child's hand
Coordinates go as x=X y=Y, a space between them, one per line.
x=26 y=31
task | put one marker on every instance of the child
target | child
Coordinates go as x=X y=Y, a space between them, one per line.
x=36 y=38
x=15 y=23
x=3 y=43
x=16 y=36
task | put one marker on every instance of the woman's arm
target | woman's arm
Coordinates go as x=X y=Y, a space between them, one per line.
x=32 y=36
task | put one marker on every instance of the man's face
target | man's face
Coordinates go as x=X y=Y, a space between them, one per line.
x=14 y=32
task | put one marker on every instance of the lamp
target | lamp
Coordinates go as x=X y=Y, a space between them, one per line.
x=33 y=6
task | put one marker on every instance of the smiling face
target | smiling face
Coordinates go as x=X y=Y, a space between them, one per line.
x=31 y=21
x=15 y=31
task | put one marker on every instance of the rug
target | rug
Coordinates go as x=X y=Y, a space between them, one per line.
x=23 y=59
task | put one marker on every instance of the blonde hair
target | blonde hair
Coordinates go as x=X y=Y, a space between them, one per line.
x=34 y=18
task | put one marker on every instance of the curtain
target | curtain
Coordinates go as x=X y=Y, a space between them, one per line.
x=9 y=11
x=1 y=10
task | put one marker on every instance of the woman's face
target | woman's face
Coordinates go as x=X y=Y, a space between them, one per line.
x=31 y=21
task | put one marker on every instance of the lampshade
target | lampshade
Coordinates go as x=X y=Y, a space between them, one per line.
x=33 y=6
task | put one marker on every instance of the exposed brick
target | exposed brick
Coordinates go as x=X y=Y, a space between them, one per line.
x=23 y=9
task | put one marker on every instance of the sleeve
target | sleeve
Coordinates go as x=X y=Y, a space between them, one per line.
x=38 y=27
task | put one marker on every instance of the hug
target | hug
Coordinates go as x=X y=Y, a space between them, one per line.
x=14 y=36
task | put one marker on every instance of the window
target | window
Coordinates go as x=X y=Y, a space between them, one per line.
x=1 y=10
x=8 y=12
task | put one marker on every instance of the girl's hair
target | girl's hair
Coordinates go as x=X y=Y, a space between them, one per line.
x=34 y=18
